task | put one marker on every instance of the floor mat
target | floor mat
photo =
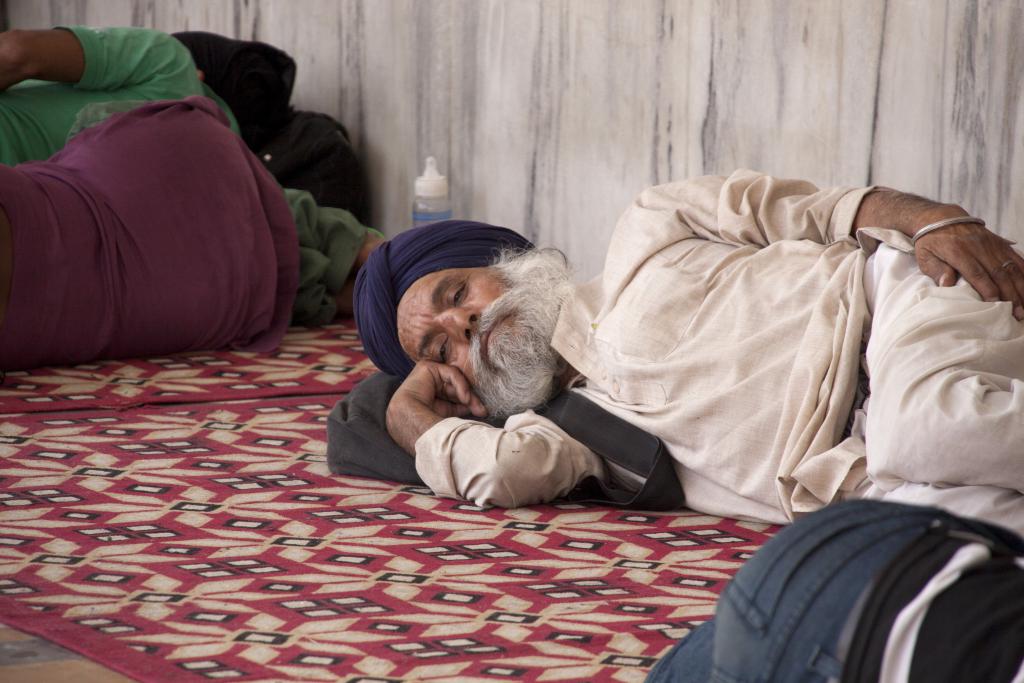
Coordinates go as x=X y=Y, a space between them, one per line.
x=208 y=542
x=326 y=360
x=154 y=526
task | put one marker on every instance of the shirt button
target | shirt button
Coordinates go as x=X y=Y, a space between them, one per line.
x=615 y=386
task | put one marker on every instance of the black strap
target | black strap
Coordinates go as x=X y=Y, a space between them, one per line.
x=624 y=444
x=358 y=444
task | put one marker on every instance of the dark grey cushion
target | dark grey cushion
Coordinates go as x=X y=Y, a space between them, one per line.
x=358 y=444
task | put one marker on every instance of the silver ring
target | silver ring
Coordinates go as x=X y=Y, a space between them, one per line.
x=1005 y=265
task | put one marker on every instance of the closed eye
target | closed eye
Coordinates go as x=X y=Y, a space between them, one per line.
x=460 y=294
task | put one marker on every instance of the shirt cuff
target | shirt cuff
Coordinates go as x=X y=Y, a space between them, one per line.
x=870 y=238
x=434 y=457
x=840 y=225
x=91 y=40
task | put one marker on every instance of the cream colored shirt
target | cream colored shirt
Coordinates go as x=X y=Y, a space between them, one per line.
x=728 y=321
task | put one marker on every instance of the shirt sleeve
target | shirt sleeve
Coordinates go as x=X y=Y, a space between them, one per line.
x=746 y=209
x=152 y=64
x=530 y=460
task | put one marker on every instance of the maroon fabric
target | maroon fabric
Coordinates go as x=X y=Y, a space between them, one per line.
x=154 y=232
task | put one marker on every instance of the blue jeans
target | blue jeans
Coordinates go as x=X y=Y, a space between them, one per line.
x=781 y=617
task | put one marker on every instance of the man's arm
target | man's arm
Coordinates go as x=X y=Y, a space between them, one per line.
x=431 y=393
x=148 y=63
x=53 y=55
x=987 y=261
x=752 y=209
x=343 y=299
x=530 y=460
x=745 y=209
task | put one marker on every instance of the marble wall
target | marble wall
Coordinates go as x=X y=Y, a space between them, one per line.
x=549 y=115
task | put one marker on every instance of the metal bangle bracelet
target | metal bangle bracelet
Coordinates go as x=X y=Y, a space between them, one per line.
x=932 y=227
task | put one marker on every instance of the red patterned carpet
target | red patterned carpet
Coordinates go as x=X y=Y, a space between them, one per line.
x=322 y=361
x=173 y=534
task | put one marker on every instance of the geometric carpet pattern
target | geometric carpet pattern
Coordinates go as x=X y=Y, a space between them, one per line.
x=206 y=540
x=317 y=361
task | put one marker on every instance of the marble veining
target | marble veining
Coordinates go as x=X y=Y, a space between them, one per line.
x=549 y=115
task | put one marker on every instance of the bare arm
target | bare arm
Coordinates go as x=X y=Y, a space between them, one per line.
x=52 y=55
x=885 y=207
x=343 y=299
x=987 y=261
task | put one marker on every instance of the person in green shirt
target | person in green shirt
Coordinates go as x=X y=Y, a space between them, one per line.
x=53 y=83
x=48 y=77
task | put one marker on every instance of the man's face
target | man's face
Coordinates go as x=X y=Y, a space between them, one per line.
x=494 y=324
x=440 y=313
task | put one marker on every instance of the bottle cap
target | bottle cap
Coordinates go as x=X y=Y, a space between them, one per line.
x=431 y=183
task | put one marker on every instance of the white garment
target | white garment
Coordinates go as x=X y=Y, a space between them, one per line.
x=945 y=420
x=728 y=322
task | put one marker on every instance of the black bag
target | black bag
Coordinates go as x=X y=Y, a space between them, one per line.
x=312 y=152
x=358 y=444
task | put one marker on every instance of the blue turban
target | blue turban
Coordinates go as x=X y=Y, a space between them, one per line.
x=395 y=265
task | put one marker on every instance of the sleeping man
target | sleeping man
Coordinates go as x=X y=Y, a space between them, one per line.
x=781 y=340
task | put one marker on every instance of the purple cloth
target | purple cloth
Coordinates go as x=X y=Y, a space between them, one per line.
x=399 y=262
x=156 y=231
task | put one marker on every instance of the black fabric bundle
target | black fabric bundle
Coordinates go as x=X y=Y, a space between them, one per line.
x=304 y=150
x=312 y=152
x=255 y=79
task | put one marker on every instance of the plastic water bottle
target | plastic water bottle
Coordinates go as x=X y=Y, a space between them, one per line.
x=431 y=202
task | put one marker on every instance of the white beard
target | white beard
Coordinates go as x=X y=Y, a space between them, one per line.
x=522 y=370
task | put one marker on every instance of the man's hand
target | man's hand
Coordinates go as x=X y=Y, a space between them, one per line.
x=431 y=392
x=987 y=261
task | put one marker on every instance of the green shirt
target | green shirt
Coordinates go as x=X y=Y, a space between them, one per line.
x=120 y=64
x=329 y=241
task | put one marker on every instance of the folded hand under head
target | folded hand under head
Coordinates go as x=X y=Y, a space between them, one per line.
x=431 y=392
